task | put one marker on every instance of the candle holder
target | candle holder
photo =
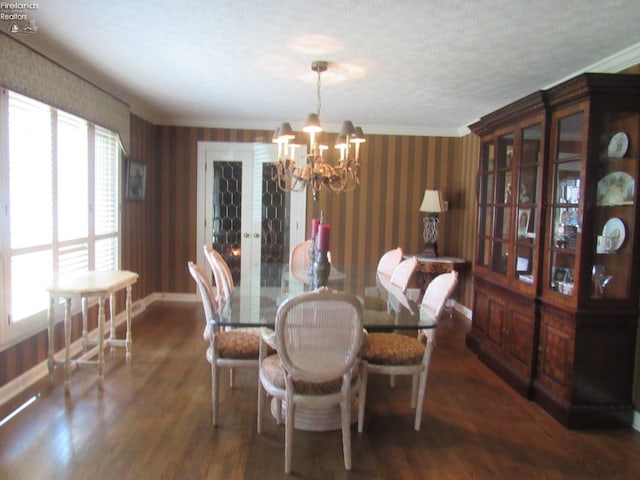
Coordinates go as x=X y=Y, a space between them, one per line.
x=321 y=269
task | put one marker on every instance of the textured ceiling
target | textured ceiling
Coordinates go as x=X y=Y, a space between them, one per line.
x=401 y=66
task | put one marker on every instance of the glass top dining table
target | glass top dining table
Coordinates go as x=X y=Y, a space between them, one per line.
x=257 y=296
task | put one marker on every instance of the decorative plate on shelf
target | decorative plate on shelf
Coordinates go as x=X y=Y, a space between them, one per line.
x=618 y=145
x=616 y=188
x=614 y=229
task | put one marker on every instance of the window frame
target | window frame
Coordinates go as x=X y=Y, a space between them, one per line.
x=12 y=332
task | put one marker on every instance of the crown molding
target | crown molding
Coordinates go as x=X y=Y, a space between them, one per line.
x=614 y=64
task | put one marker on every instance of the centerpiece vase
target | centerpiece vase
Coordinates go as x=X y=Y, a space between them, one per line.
x=321 y=269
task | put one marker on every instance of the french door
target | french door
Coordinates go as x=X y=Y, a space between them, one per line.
x=241 y=212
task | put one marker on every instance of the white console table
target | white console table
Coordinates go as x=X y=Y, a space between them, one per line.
x=84 y=286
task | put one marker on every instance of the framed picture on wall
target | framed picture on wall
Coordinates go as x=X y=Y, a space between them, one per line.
x=136 y=181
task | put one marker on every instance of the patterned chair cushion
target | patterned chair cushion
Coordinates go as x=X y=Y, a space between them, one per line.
x=393 y=349
x=273 y=371
x=238 y=344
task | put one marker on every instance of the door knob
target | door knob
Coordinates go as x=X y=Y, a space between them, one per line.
x=246 y=235
x=256 y=235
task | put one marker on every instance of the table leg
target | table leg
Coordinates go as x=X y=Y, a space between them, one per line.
x=129 y=340
x=85 y=316
x=67 y=345
x=50 y=356
x=101 y=320
x=112 y=326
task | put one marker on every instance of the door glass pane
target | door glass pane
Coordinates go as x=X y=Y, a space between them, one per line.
x=275 y=227
x=567 y=187
x=531 y=142
x=226 y=208
x=562 y=272
x=503 y=187
x=570 y=136
x=500 y=257
x=527 y=185
x=505 y=151
x=526 y=224
x=502 y=222
x=484 y=221
x=566 y=228
x=486 y=188
x=524 y=264
x=487 y=162
x=482 y=256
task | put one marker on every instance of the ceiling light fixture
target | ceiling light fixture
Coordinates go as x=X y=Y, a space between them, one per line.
x=316 y=172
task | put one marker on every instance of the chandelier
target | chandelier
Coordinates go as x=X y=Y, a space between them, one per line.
x=317 y=173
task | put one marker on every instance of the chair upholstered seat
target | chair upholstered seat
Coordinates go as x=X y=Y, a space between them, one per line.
x=393 y=349
x=238 y=344
x=273 y=372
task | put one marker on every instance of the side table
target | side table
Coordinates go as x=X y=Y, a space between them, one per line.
x=429 y=267
x=84 y=286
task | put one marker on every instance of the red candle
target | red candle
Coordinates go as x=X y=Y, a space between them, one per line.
x=324 y=232
x=314 y=227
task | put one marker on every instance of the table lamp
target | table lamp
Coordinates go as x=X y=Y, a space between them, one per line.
x=431 y=203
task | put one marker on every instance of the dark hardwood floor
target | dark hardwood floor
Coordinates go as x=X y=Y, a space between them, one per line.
x=153 y=421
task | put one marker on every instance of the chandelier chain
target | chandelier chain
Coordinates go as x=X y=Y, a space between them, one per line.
x=319 y=105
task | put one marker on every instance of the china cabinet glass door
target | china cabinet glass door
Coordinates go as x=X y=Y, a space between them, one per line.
x=485 y=203
x=527 y=214
x=566 y=226
x=494 y=204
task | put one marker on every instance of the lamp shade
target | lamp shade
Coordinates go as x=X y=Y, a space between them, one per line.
x=359 y=136
x=432 y=202
x=286 y=132
x=313 y=124
x=347 y=129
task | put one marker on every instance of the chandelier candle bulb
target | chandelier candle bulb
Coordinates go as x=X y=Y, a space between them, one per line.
x=324 y=233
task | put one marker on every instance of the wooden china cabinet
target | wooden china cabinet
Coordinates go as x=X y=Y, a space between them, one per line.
x=556 y=270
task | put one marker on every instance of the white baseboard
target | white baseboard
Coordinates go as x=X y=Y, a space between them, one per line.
x=466 y=312
x=175 y=297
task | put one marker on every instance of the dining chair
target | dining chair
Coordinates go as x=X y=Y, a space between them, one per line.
x=374 y=298
x=397 y=354
x=224 y=279
x=299 y=261
x=389 y=261
x=230 y=349
x=221 y=273
x=318 y=337
x=403 y=272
